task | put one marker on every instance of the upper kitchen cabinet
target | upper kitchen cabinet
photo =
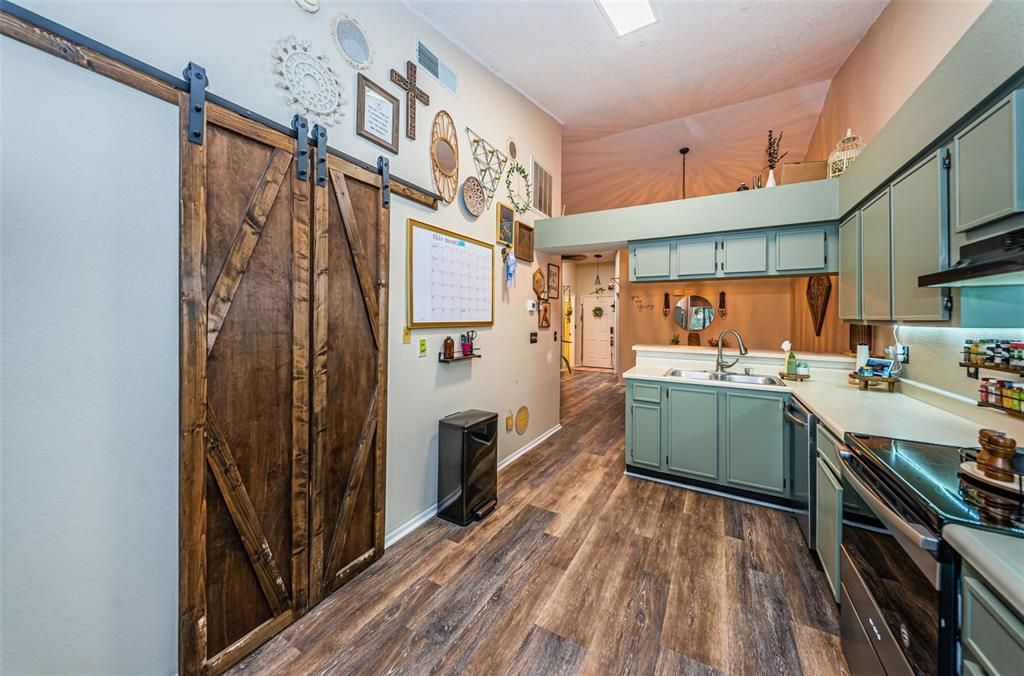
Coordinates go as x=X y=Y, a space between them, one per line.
x=801 y=250
x=696 y=258
x=876 y=268
x=745 y=254
x=920 y=238
x=849 y=268
x=988 y=165
x=651 y=261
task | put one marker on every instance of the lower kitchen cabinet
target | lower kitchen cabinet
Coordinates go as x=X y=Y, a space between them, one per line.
x=828 y=529
x=645 y=426
x=692 y=424
x=755 y=448
x=991 y=633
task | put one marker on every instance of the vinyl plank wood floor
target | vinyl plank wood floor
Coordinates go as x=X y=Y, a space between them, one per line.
x=580 y=570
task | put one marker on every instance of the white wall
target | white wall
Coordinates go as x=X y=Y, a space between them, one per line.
x=233 y=41
x=89 y=361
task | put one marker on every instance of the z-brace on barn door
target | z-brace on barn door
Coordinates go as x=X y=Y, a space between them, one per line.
x=282 y=384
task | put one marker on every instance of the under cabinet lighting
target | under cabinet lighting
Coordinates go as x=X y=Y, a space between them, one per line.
x=626 y=16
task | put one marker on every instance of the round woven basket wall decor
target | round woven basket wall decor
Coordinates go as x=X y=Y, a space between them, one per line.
x=473 y=196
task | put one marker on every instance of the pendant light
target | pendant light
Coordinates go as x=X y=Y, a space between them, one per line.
x=597 y=279
x=683 y=151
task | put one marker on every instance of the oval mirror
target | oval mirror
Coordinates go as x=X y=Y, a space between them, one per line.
x=694 y=313
x=445 y=157
x=351 y=40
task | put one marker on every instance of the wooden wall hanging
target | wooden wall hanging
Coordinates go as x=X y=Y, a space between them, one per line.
x=412 y=95
x=444 y=156
x=818 y=291
x=271 y=269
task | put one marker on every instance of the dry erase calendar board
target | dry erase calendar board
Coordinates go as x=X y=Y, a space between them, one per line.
x=450 y=278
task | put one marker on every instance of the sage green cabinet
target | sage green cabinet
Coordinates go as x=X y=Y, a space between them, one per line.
x=698 y=257
x=645 y=437
x=920 y=238
x=692 y=431
x=991 y=633
x=988 y=165
x=803 y=250
x=828 y=528
x=849 y=268
x=755 y=448
x=876 y=268
x=746 y=254
x=651 y=260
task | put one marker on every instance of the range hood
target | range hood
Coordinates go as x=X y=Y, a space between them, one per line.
x=996 y=261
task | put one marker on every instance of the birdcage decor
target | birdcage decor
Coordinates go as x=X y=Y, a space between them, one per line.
x=845 y=153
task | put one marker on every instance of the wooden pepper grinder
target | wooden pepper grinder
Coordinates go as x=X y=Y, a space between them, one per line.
x=449 y=348
x=996 y=457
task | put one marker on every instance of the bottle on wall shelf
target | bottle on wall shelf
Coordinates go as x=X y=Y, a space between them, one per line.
x=448 y=348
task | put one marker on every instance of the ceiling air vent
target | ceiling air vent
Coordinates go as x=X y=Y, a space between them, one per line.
x=543 y=186
x=428 y=61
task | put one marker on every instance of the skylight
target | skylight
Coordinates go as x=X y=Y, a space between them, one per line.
x=627 y=16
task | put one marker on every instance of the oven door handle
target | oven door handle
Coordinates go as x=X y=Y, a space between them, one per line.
x=914 y=533
x=796 y=420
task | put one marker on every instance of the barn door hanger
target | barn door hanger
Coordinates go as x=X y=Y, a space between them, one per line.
x=320 y=139
x=301 y=127
x=384 y=168
x=195 y=76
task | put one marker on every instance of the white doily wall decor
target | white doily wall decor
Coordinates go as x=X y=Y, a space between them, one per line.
x=520 y=192
x=311 y=6
x=352 y=41
x=311 y=86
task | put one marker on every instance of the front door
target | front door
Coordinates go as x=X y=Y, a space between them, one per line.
x=597 y=330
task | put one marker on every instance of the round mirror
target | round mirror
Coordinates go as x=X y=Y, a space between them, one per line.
x=445 y=157
x=352 y=42
x=694 y=313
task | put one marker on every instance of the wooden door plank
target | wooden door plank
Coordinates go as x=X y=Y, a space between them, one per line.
x=380 y=452
x=223 y=660
x=243 y=514
x=319 y=427
x=348 y=219
x=300 y=391
x=192 y=403
x=355 y=481
x=245 y=241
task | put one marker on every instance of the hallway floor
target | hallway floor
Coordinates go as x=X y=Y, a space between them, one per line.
x=581 y=569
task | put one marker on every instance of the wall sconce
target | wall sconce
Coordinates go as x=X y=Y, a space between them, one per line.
x=721 y=303
x=667 y=307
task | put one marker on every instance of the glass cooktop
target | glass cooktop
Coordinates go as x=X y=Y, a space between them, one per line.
x=928 y=477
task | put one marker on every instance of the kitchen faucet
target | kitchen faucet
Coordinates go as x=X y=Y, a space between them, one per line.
x=720 y=365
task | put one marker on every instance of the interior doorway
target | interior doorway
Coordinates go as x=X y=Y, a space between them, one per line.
x=597 y=330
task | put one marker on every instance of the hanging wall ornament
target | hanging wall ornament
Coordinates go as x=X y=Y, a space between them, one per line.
x=490 y=163
x=520 y=192
x=312 y=88
x=444 y=155
x=352 y=42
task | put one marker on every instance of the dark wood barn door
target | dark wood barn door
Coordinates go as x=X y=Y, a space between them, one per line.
x=350 y=254
x=275 y=356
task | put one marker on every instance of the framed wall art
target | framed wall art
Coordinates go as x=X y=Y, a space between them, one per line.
x=544 y=316
x=524 y=242
x=506 y=234
x=554 y=281
x=376 y=114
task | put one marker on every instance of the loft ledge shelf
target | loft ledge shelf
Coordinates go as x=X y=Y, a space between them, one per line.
x=458 y=357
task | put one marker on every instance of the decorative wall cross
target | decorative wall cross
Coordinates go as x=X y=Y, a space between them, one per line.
x=412 y=95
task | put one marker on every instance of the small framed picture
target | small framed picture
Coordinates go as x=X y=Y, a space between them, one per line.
x=554 y=281
x=524 y=242
x=376 y=114
x=544 y=316
x=506 y=225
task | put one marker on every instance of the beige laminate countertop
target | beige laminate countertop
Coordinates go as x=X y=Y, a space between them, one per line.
x=999 y=559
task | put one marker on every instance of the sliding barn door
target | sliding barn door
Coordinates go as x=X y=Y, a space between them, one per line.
x=245 y=289
x=350 y=263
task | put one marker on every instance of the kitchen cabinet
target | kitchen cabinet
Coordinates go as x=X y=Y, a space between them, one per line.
x=697 y=257
x=876 y=267
x=692 y=431
x=920 y=238
x=746 y=254
x=829 y=524
x=651 y=260
x=849 y=268
x=755 y=449
x=988 y=165
x=992 y=634
x=645 y=437
x=803 y=250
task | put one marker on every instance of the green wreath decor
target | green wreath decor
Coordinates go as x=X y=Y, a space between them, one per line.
x=516 y=204
x=598 y=311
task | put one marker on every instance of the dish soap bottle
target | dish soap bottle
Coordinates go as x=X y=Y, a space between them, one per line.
x=790 y=358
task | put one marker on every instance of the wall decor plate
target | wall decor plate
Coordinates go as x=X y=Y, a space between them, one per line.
x=490 y=163
x=522 y=419
x=444 y=155
x=311 y=86
x=473 y=196
x=352 y=41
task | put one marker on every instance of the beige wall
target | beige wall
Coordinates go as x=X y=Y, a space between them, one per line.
x=899 y=51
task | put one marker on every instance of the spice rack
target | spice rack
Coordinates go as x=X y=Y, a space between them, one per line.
x=1000 y=356
x=1009 y=411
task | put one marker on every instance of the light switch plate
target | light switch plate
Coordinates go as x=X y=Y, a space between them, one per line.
x=423 y=347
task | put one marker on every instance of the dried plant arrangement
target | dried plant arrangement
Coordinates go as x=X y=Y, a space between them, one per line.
x=772 y=151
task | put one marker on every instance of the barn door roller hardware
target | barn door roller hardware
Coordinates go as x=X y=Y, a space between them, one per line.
x=195 y=76
x=301 y=127
x=320 y=139
x=384 y=168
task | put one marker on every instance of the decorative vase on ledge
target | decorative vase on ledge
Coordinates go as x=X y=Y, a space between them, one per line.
x=770 y=183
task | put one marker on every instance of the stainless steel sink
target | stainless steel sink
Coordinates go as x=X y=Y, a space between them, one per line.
x=726 y=377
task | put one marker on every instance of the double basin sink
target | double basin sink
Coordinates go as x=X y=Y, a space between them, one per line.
x=726 y=377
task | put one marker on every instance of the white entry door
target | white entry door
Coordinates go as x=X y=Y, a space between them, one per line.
x=597 y=331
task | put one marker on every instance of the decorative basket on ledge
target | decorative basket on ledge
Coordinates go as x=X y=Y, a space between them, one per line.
x=847 y=150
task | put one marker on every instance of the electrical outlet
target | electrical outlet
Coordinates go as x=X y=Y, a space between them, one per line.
x=902 y=353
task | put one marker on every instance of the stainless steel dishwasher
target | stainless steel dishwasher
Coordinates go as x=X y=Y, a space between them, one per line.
x=802 y=431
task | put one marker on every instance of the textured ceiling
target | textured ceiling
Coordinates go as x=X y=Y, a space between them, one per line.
x=700 y=56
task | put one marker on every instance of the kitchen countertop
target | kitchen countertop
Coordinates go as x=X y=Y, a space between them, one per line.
x=998 y=558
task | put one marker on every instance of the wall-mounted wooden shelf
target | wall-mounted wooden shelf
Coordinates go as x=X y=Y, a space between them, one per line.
x=993 y=367
x=1008 y=411
x=458 y=357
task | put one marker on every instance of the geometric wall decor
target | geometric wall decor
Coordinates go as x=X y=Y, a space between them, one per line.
x=490 y=163
x=312 y=88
